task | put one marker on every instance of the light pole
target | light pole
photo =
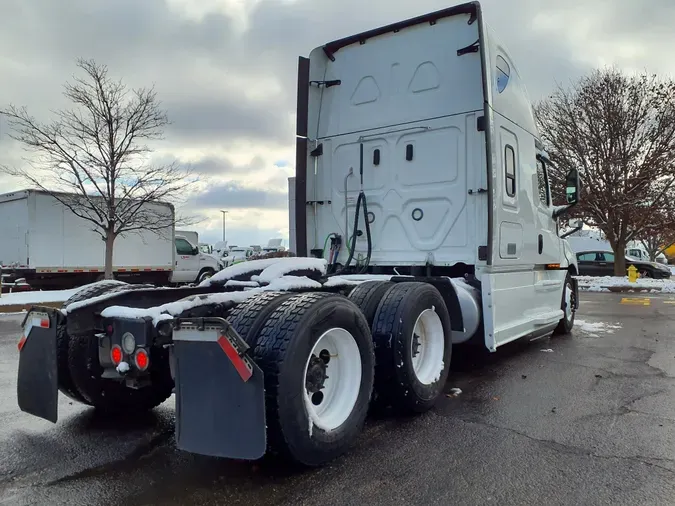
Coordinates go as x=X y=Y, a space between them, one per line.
x=224 y=225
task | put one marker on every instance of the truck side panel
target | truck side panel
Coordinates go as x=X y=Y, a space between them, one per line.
x=399 y=78
x=413 y=98
x=61 y=240
x=420 y=208
x=525 y=292
x=518 y=304
x=14 y=232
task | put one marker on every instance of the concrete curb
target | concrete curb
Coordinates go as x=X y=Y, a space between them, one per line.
x=17 y=308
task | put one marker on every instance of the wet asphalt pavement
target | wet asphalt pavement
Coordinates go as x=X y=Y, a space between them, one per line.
x=591 y=422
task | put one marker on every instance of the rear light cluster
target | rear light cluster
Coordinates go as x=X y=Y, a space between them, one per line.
x=140 y=356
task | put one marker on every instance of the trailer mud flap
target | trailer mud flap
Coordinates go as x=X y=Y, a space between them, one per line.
x=37 y=383
x=220 y=395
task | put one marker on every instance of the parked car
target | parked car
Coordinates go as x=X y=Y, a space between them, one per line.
x=601 y=263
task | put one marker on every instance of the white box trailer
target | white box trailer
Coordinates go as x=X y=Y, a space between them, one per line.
x=42 y=241
x=418 y=161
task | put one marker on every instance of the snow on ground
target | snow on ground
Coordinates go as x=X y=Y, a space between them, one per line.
x=604 y=283
x=27 y=298
x=594 y=329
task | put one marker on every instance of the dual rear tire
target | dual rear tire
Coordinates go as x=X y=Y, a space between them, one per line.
x=325 y=357
x=412 y=338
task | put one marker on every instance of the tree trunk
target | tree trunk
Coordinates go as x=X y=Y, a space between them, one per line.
x=109 y=243
x=620 y=260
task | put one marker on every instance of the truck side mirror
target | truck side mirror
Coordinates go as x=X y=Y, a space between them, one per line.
x=195 y=250
x=572 y=187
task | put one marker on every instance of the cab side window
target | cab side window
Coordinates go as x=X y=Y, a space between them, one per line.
x=510 y=170
x=542 y=182
x=183 y=247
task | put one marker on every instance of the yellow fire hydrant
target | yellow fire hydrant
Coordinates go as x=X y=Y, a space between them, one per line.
x=632 y=274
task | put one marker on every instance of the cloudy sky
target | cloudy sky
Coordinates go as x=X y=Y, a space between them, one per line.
x=225 y=72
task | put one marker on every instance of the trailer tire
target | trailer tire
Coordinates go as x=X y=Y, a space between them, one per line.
x=299 y=428
x=249 y=317
x=407 y=384
x=567 y=305
x=368 y=296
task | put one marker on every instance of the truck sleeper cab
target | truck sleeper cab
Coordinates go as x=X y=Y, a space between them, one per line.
x=423 y=219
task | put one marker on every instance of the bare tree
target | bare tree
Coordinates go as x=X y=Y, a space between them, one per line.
x=659 y=235
x=93 y=158
x=619 y=132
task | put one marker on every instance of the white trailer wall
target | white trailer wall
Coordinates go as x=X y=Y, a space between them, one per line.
x=14 y=230
x=60 y=240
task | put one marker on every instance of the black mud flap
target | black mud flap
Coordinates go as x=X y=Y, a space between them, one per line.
x=220 y=395
x=37 y=384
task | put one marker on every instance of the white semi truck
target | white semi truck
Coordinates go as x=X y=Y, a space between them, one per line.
x=423 y=221
x=43 y=242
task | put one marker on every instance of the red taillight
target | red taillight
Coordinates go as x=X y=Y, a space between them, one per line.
x=44 y=323
x=22 y=343
x=142 y=359
x=116 y=354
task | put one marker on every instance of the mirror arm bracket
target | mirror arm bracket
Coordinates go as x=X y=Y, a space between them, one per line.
x=569 y=233
x=559 y=212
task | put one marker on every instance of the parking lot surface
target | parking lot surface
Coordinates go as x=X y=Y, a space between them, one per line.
x=581 y=419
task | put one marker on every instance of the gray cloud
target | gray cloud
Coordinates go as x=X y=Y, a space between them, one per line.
x=219 y=166
x=227 y=119
x=193 y=63
x=233 y=195
x=145 y=42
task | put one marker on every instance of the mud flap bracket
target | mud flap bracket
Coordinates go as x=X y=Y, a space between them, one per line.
x=220 y=395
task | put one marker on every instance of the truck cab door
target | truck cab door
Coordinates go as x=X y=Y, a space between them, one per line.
x=605 y=263
x=187 y=262
x=586 y=262
x=549 y=245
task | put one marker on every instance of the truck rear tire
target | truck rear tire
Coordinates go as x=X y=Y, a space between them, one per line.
x=249 y=317
x=111 y=396
x=65 y=381
x=93 y=290
x=413 y=347
x=368 y=296
x=316 y=353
